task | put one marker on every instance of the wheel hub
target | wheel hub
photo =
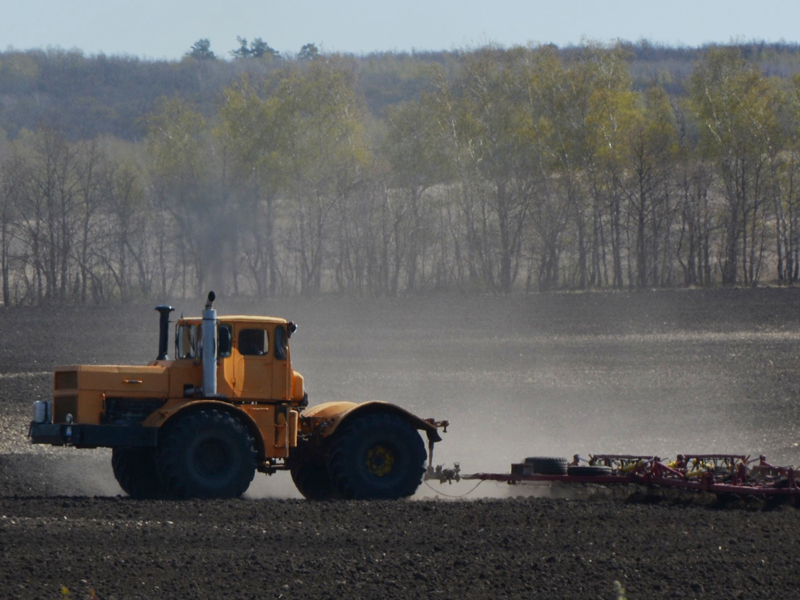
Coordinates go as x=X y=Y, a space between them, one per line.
x=380 y=460
x=211 y=457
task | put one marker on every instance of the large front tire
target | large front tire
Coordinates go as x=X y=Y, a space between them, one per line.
x=377 y=456
x=135 y=470
x=207 y=454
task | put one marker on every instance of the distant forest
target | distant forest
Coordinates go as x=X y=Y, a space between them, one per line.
x=599 y=166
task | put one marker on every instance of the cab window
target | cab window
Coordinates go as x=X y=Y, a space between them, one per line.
x=280 y=342
x=186 y=341
x=253 y=342
x=225 y=337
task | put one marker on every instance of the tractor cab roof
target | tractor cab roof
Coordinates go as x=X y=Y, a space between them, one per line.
x=238 y=319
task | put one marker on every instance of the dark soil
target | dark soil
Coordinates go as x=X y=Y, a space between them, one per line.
x=558 y=374
x=530 y=548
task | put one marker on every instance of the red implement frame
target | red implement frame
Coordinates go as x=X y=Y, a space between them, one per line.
x=723 y=474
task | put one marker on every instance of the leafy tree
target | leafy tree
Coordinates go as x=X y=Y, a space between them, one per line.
x=415 y=151
x=10 y=181
x=128 y=229
x=325 y=152
x=308 y=52
x=201 y=50
x=257 y=143
x=186 y=189
x=610 y=120
x=559 y=92
x=243 y=51
x=650 y=150
x=52 y=176
x=787 y=197
x=258 y=48
x=734 y=101
x=503 y=153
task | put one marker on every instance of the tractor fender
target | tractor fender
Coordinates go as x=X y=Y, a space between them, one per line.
x=170 y=411
x=324 y=419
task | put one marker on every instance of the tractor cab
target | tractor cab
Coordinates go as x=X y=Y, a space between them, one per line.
x=252 y=359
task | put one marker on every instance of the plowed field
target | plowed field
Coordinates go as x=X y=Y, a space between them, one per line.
x=555 y=375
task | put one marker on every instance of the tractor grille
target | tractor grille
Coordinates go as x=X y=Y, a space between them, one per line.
x=66 y=380
x=130 y=411
x=63 y=405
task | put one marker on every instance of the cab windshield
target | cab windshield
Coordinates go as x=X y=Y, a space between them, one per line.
x=187 y=340
x=189 y=344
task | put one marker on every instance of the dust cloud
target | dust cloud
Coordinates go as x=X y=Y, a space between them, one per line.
x=650 y=374
x=61 y=472
x=544 y=375
x=279 y=485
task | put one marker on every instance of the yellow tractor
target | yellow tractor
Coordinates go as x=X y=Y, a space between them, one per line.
x=229 y=403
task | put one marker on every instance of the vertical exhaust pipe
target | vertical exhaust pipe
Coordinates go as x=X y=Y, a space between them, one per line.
x=163 y=331
x=209 y=356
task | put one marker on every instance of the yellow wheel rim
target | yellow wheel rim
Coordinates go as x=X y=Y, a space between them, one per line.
x=380 y=460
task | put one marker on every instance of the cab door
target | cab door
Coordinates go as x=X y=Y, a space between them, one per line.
x=253 y=365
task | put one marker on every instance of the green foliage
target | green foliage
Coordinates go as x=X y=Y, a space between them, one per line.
x=258 y=48
x=734 y=102
x=415 y=146
x=739 y=131
x=491 y=169
x=175 y=144
x=308 y=52
x=109 y=95
x=250 y=123
x=201 y=50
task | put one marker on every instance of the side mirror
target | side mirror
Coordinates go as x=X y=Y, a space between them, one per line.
x=291 y=328
x=224 y=341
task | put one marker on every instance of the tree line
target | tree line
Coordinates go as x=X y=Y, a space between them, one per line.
x=88 y=96
x=523 y=169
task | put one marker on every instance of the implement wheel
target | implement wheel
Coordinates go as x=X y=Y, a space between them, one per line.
x=207 y=454
x=547 y=465
x=135 y=470
x=377 y=456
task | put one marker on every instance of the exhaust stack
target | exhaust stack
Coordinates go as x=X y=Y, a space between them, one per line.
x=163 y=331
x=209 y=355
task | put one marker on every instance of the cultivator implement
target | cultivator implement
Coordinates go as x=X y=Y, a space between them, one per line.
x=726 y=475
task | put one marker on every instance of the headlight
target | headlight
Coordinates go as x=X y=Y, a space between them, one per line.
x=42 y=412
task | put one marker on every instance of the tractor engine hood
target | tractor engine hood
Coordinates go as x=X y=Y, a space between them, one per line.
x=124 y=381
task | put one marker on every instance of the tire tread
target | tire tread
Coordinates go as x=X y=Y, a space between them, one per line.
x=547 y=465
x=172 y=471
x=344 y=475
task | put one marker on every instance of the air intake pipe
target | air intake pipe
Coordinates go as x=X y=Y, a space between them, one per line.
x=163 y=331
x=209 y=356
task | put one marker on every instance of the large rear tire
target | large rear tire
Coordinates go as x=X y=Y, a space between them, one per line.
x=207 y=454
x=313 y=481
x=310 y=472
x=377 y=456
x=135 y=470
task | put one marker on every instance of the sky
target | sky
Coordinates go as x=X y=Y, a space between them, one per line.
x=166 y=29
